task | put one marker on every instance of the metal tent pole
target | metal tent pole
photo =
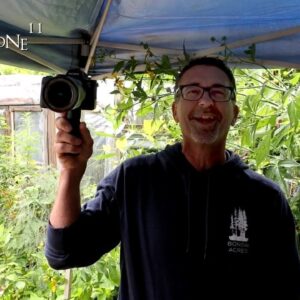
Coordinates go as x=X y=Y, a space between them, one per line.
x=95 y=37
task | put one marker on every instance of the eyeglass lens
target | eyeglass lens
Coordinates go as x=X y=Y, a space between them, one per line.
x=216 y=93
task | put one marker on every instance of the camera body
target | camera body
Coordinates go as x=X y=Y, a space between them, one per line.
x=63 y=93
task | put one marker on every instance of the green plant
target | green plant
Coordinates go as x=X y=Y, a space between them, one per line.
x=27 y=191
x=99 y=281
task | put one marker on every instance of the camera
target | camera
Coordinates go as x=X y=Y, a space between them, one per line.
x=74 y=90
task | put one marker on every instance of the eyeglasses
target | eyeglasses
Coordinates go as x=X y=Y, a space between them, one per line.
x=217 y=92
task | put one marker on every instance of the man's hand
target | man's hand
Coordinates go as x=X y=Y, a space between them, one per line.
x=72 y=152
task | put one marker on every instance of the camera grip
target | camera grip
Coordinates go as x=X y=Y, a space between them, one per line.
x=73 y=116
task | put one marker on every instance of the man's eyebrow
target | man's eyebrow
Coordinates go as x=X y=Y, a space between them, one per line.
x=190 y=83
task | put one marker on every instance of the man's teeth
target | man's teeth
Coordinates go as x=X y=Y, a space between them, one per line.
x=205 y=117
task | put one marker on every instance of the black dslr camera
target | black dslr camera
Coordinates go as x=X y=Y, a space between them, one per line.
x=75 y=90
x=69 y=93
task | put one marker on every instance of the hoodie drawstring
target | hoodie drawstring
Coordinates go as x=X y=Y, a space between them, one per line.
x=188 y=193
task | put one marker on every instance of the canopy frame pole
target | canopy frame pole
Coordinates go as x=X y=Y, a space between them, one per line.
x=95 y=37
x=66 y=41
x=38 y=59
x=122 y=46
x=253 y=40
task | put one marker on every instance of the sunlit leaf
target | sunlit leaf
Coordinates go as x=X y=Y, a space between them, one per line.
x=263 y=149
x=121 y=143
x=105 y=156
x=288 y=164
x=294 y=114
x=295 y=79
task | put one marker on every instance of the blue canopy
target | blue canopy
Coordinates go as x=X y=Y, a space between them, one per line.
x=59 y=35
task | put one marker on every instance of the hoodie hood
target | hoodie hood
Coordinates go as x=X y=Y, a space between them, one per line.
x=173 y=155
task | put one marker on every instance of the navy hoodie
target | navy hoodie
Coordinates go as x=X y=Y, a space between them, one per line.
x=225 y=232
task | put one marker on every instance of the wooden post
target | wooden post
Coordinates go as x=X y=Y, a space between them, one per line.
x=49 y=136
x=68 y=284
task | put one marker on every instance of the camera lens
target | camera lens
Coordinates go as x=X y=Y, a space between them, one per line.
x=63 y=94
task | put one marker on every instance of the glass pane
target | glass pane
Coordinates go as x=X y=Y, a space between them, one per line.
x=29 y=135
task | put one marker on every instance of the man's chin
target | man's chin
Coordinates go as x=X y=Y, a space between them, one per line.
x=204 y=138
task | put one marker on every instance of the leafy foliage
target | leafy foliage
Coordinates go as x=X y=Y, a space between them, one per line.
x=25 y=201
x=27 y=191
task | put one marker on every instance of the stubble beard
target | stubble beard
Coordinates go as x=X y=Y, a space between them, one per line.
x=202 y=136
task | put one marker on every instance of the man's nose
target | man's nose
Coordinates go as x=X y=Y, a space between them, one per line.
x=205 y=100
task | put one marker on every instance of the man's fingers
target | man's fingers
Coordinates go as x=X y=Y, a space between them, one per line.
x=87 y=140
x=85 y=133
x=64 y=137
x=63 y=124
x=64 y=148
x=67 y=143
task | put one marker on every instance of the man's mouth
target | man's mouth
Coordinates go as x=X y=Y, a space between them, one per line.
x=206 y=118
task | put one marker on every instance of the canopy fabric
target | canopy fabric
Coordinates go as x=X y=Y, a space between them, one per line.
x=95 y=34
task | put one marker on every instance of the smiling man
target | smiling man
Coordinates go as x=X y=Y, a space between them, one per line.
x=193 y=221
x=205 y=108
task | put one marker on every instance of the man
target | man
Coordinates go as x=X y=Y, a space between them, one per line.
x=193 y=221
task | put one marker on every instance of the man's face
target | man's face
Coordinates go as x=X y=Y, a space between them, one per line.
x=204 y=121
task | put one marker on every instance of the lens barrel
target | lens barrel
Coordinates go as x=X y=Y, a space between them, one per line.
x=63 y=94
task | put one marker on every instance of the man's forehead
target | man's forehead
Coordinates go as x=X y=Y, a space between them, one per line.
x=207 y=73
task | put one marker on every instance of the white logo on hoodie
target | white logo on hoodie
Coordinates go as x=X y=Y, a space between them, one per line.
x=238 y=241
x=238 y=226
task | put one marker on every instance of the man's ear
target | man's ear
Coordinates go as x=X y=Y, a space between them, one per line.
x=174 y=111
x=236 y=111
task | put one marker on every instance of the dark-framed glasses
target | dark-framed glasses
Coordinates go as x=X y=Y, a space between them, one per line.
x=217 y=92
